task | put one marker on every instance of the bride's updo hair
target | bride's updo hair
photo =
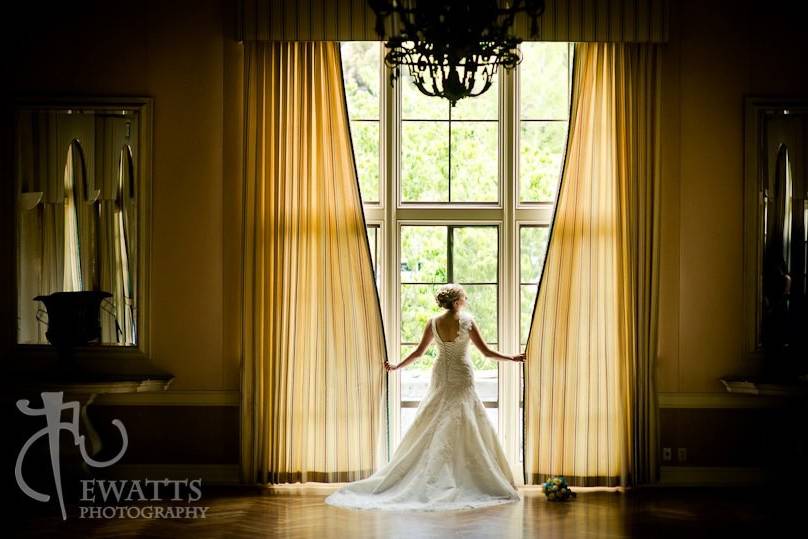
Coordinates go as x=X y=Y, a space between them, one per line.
x=448 y=294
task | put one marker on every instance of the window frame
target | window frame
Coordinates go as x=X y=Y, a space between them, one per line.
x=509 y=214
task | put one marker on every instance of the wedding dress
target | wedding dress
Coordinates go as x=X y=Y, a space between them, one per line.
x=450 y=458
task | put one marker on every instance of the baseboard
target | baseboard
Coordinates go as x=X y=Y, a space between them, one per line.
x=718 y=400
x=211 y=474
x=710 y=476
x=171 y=398
x=229 y=474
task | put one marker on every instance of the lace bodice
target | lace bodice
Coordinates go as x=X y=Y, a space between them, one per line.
x=453 y=366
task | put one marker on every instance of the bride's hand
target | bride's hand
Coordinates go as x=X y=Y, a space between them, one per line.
x=390 y=367
x=519 y=357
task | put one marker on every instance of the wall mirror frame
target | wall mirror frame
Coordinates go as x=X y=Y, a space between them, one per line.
x=103 y=122
x=775 y=236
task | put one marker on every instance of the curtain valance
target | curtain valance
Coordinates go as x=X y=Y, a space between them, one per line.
x=353 y=20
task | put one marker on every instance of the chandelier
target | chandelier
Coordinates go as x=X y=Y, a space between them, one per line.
x=454 y=47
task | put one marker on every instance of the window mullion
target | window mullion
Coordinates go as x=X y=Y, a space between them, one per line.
x=510 y=373
x=449 y=169
x=450 y=253
x=389 y=170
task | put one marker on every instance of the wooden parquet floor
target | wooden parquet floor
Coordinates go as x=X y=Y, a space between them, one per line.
x=299 y=512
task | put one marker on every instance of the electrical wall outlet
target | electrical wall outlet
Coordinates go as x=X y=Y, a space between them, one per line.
x=666 y=454
x=682 y=454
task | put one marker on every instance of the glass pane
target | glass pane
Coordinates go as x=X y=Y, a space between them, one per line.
x=493 y=417
x=485 y=373
x=527 y=294
x=482 y=304
x=485 y=377
x=361 y=71
x=417 y=307
x=474 y=250
x=521 y=435
x=541 y=151
x=407 y=417
x=474 y=162
x=482 y=107
x=425 y=161
x=371 y=231
x=417 y=106
x=532 y=246
x=365 y=138
x=544 y=81
x=423 y=254
x=416 y=376
x=373 y=243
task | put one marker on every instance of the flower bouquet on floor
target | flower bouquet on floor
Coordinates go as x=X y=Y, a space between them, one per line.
x=557 y=490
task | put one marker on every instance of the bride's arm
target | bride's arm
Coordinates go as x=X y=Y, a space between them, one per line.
x=426 y=338
x=478 y=341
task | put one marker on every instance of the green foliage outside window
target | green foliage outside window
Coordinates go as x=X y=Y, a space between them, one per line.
x=452 y=155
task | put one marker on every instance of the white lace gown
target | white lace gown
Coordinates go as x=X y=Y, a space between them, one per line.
x=450 y=458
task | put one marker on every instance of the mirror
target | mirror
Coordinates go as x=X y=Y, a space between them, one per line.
x=82 y=176
x=777 y=232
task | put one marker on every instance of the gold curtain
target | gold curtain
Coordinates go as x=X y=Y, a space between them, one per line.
x=115 y=166
x=313 y=380
x=590 y=409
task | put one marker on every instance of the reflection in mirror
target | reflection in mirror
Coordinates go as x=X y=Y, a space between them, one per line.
x=116 y=216
x=777 y=255
x=784 y=260
x=71 y=259
x=76 y=172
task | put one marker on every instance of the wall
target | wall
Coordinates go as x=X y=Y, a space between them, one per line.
x=183 y=56
x=718 y=53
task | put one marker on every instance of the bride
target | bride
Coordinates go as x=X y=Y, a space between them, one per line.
x=450 y=458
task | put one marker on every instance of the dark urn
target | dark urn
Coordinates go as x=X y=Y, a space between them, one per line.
x=74 y=318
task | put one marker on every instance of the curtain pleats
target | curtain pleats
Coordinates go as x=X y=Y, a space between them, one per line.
x=590 y=410
x=116 y=214
x=354 y=20
x=313 y=378
x=73 y=276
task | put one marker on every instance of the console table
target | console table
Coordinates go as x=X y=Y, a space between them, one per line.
x=793 y=440
x=83 y=380
x=755 y=385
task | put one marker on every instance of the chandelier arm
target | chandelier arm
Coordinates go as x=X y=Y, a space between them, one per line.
x=450 y=46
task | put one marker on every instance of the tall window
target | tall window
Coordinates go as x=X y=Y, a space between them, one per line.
x=459 y=194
